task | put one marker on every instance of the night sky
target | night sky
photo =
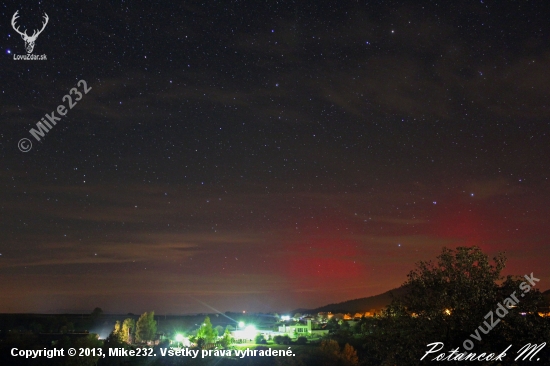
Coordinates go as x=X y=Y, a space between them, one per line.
x=267 y=155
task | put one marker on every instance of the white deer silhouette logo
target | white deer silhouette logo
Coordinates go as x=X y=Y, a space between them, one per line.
x=29 y=41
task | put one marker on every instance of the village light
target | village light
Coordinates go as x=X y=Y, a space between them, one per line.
x=250 y=332
x=179 y=339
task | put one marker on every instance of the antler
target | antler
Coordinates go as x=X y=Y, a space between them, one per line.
x=35 y=35
x=15 y=16
x=24 y=34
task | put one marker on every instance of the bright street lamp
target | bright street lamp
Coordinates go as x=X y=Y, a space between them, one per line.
x=250 y=332
x=179 y=339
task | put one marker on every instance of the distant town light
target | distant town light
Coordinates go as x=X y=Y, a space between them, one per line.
x=179 y=337
x=285 y=317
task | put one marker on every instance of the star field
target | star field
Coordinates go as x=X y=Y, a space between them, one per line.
x=267 y=156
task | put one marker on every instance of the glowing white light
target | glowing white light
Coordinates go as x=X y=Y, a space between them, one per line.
x=250 y=332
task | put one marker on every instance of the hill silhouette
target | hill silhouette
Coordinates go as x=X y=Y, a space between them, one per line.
x=360 y=305
x=364 y=304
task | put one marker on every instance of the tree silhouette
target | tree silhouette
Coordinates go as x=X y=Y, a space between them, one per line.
x=206 y=331
x=449 y=300
x=146 y=327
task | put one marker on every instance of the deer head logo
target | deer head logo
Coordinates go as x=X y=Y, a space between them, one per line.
x=29 y=40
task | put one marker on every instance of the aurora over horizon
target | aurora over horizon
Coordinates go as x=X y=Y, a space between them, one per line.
x=255 y=157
